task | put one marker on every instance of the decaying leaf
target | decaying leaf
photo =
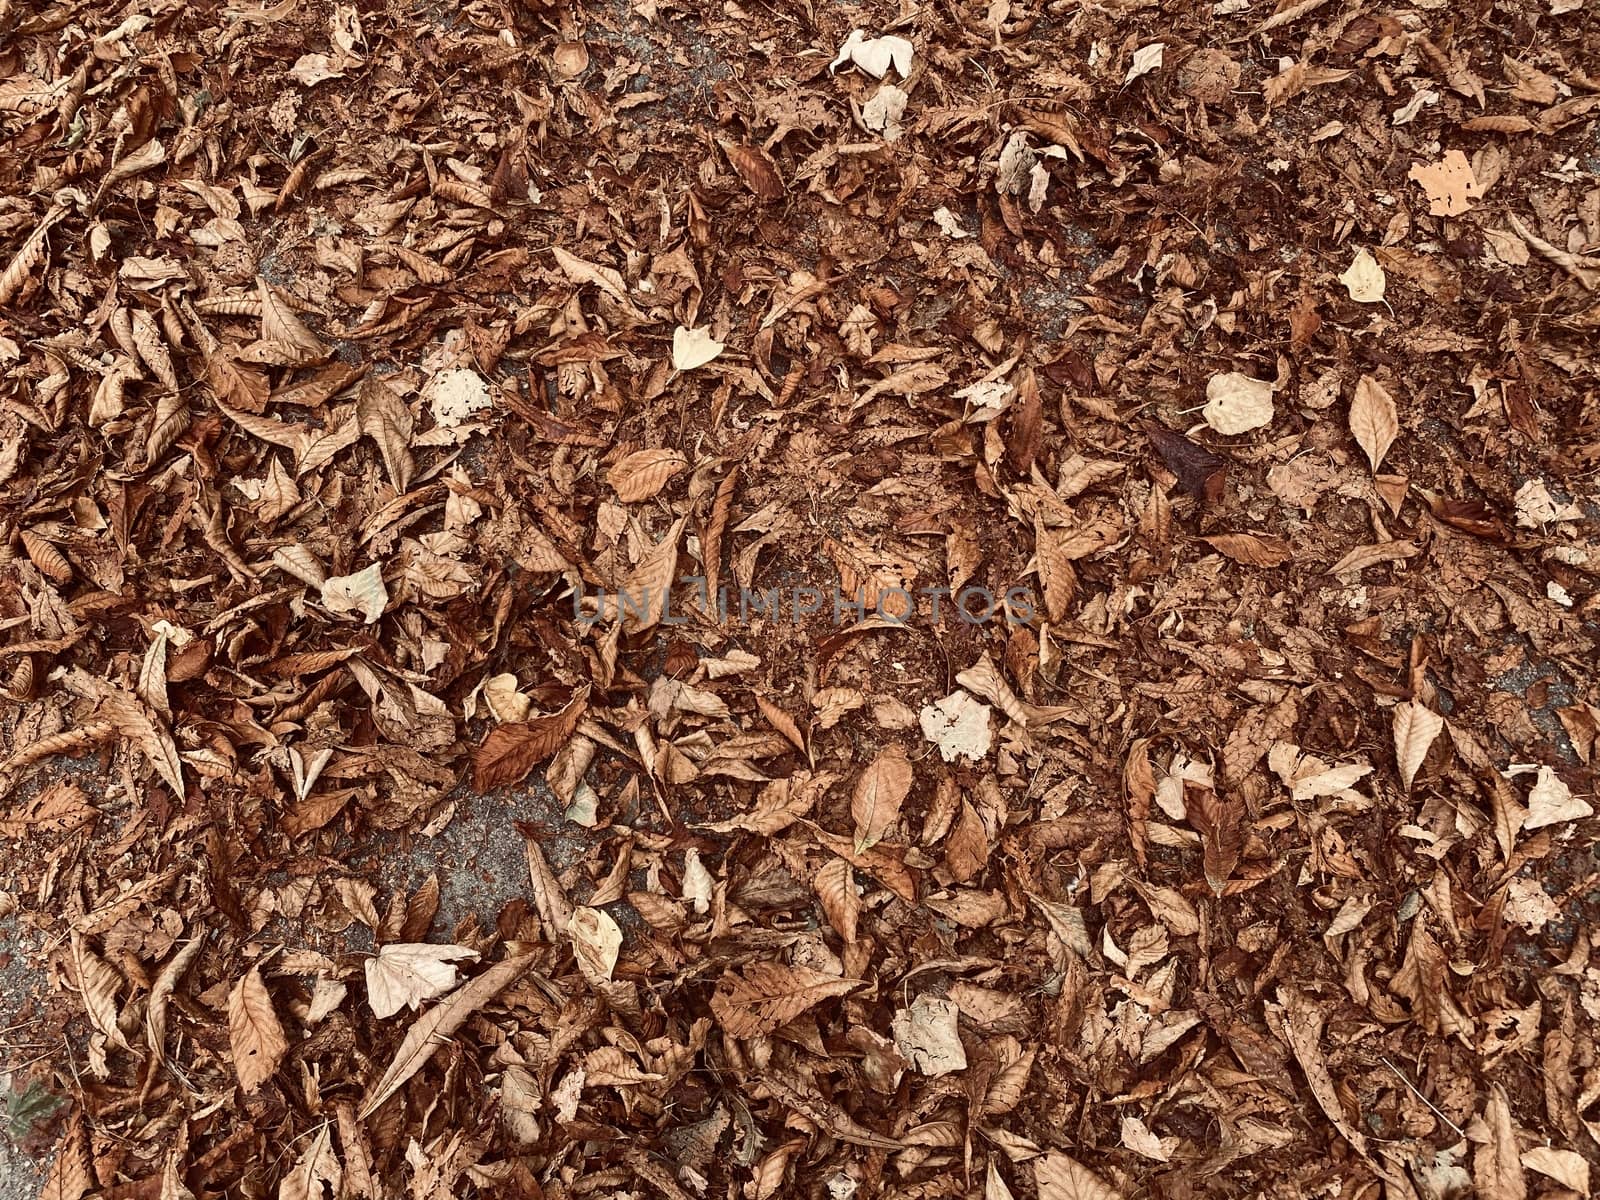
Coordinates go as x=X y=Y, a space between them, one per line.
x=433 y=1028
x=596 y=942
x=363 y=592
x=643 y=473
x=693 y=348
x=927 y=1035
x=513 y=749
x=959 y=726
x=1060 y=1177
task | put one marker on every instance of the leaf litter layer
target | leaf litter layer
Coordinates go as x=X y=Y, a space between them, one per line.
x=1235 y=362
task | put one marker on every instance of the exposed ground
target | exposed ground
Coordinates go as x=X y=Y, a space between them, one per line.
x=1236 y=365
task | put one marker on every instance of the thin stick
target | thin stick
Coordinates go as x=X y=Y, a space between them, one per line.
x=1401 y=1077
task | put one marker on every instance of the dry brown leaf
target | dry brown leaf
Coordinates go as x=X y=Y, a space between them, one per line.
x=580 y=271
x=511 y=750
x=647 y=591
x=596 y=942
x=384 y=417
x=1497 y=1164
x=966 y=851
x=1363 y=557
x=71 y=1174
x=254 y=1034
x=1253 y=549
x=433 y=1028
x=152 y=350
x=279 y=324
x=1220 y=824
x=835 y=885
x=780 y=804
x=783 y=723
x=1449 y=184
x=879 y=792
x=155 y=1015
x=1302 y=1025
x=756 y=169
x=404 y=974
x=770 y=994
x=30 y=256
x=1059 y=1177
x=1374 y=420
x=52 y=564
x=316 y=1167
x=1584 y=269
x=98 y=985
x=643 y=473
x=1415 y=727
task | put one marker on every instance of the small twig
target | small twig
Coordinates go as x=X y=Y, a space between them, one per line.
x=1401 y=1077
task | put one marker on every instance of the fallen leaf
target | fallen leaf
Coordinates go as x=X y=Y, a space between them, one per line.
x=1059 y=1177
x=1374 y=420
x=404 y=974
x=1364 y=279
x=959 y=726
x=770 y=994
x=254 y=1034
x=1449 y=184
x=927 y=1035
x=1145 y=60
x=433 y=1029
x=1236 y=403
x=880 y=790
x=693 y=348
x=511 y=750
x=1551 y=802
x=596 y=942
x=1252 y=549
x=642 y=474
x=875 y=55
x=362 y=592
x=1415 y=727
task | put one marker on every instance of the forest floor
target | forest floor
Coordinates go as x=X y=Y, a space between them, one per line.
x=989 y=600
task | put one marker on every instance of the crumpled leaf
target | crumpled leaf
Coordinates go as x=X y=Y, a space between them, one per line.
x=875 y=55
x=362 y=592
x=769 y=994
x=958 y=725
x=927 y=1035
x=1145 y=60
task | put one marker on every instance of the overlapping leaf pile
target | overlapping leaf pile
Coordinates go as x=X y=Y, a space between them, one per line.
x=374 y=375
